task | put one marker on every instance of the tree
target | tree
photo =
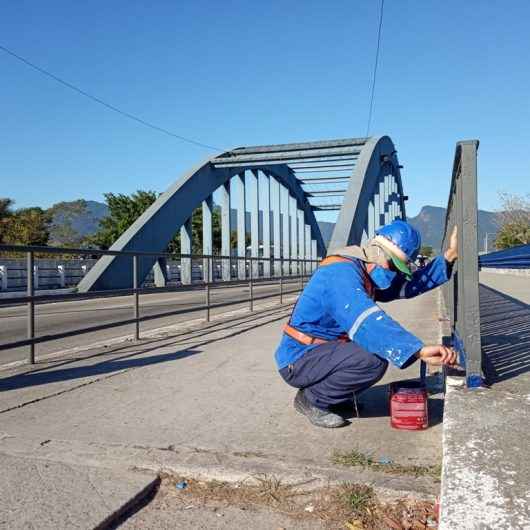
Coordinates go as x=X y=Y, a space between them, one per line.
x=5 y=213
x=426 y=250
x=62 y=233
x=26 y=226
x=123 y=211
x=514 y=221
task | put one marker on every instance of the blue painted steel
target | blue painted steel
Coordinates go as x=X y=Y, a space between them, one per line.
x=511 y=258
x=472 y=380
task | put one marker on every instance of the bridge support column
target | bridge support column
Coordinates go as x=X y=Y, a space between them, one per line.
x=371 y=218
x=225 y=231
x=241 y=227
x=264 y=184
x=207 y=238
x=314 y=253
x=307 y=247
x=301 y=241
x=285 y=228
x=276 y=228
x=381 y=203
x=254 y=222
x=185 y=248
x=293 y=232
x=160 y=272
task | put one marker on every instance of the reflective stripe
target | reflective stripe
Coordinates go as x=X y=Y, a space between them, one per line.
x=361 y=318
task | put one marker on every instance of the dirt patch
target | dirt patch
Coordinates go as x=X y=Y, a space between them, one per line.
x=350 y=506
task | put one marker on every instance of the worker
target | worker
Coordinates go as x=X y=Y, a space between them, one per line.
x=338 y=341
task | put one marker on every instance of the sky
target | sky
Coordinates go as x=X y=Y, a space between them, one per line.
x=237 y=73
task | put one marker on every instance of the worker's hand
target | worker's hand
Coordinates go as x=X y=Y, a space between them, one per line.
x=452 y=250
x=437 y=355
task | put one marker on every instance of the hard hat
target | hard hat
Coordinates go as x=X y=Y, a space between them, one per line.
x=403 y=242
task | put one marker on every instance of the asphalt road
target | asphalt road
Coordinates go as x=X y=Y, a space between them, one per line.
x=58 y=317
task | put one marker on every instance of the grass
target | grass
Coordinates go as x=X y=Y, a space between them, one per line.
x=357 y=459
x=346 y=505
x=358 y=498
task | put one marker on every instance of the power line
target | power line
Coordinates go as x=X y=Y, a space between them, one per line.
x=105 y=104
x=375 y=68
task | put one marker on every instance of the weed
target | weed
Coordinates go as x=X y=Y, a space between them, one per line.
x=358 y=498
x=357 y=459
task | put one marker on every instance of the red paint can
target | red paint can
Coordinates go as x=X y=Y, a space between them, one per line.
x=408 y=406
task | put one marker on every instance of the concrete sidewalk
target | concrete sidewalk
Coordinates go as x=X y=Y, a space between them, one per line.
x=204 y=402
x=486 y=475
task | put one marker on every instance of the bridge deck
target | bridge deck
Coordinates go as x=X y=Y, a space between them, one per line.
x=205 y=402
x=486 y=477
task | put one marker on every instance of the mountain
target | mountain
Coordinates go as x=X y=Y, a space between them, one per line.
x=430 y=223
x=72 y=221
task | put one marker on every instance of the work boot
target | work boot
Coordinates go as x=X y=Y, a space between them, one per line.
x=318 y=417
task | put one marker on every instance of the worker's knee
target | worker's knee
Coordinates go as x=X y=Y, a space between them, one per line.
x=379 y=367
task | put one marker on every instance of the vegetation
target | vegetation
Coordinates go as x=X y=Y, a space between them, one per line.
x=514 y=221
x=25 y=226
x=62 y=233
x=125 y=209
x=357 y=459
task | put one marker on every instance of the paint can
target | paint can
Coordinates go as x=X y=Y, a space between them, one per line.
x=409 y=405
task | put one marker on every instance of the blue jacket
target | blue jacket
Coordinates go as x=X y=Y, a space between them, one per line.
x=335 y=301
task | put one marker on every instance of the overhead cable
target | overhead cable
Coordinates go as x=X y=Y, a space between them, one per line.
x=376 y=63
x=105 y=104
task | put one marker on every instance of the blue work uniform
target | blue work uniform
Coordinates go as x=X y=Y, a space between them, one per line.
x=340 y=299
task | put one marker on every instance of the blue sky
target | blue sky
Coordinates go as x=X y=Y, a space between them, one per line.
x=241 y=73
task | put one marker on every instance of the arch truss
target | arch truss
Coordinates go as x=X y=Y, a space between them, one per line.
x=274 y=193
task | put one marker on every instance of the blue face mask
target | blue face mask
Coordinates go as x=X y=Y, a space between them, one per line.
x=382 y=277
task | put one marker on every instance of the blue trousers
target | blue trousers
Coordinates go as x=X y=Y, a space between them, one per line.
x=330 y=373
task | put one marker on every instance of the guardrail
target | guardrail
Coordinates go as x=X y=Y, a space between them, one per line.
x=510 y=258
x=256 y=270
x=461 y=293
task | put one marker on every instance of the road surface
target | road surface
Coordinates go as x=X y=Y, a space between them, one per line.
x=58 y=317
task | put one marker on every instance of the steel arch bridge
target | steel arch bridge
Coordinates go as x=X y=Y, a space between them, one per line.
x=282 y=189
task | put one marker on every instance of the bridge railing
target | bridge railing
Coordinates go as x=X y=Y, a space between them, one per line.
x=510 y=258
x=461 y=293
x=216 y=272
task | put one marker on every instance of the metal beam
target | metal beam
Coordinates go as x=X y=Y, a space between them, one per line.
x=321 y=144
x=327 y=166
x=207 y=237
x=276 y=217
x=292 y=155
x=226 y=250
x=265 y=192
x=185 y=248
x=284 y=205
x=241 y=226
x=254 y=221
x=301 y=239
x=328 y=193
x=318 y=180
x=293 y=232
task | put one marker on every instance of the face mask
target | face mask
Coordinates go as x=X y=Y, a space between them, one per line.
x=382 y=277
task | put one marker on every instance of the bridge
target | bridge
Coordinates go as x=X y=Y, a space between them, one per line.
x=194 y=393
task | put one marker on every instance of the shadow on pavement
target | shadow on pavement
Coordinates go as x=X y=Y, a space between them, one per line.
x=63 y=372
x=375 y=403
x=505 y=333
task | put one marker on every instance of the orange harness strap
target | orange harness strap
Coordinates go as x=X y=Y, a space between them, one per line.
x=308 y=340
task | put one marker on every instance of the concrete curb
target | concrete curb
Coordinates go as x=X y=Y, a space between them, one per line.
x=205 y=464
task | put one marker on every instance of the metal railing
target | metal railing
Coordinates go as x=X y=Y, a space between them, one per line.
x=510 y=258
x=288 y=271
x=461 y=293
